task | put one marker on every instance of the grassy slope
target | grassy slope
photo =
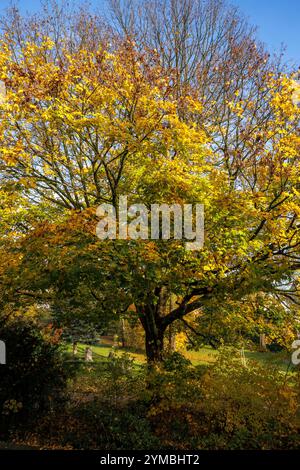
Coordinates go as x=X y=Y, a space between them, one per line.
x=205 y=355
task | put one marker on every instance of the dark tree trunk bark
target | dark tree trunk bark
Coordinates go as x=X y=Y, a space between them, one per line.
x=154 y=334
x=154 y=346
x=158 y=315
x=155 y=320
x=171 y=330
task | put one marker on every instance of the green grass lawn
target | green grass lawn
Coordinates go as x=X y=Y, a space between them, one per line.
x=204 y=356
x=102 y=350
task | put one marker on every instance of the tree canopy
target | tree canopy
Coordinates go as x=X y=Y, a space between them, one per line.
x=85 y=123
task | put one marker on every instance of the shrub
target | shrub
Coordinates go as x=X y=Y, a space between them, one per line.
x=227 y=406
x=34 y=375
x=176 y=361
x=105 y=411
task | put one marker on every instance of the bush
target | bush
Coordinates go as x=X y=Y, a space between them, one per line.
x=34 y=375
x=176 y=361
x=117 y=405
x=105 y=411
x=227 y=406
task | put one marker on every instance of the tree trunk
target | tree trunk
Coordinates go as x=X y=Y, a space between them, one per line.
x=154 y=334
x=262 y=342
x=154 y=346
x=123 y=333
x=172 y=339
x=171 y=330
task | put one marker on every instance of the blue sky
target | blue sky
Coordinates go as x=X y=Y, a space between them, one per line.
x=278 y=21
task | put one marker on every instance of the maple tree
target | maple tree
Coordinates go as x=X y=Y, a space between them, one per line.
x=84 y=125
